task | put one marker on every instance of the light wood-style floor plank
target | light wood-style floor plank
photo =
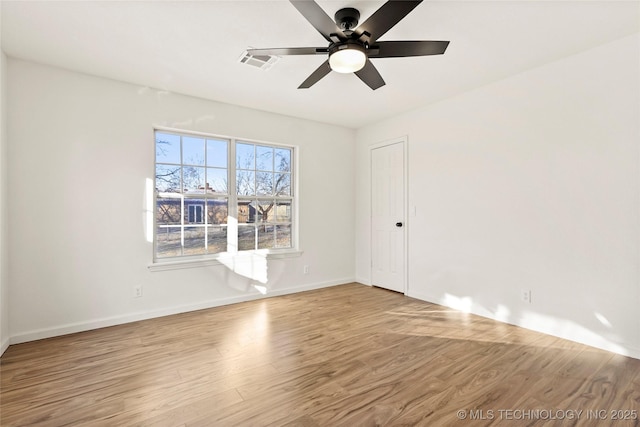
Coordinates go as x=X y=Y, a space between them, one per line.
x=349 y=355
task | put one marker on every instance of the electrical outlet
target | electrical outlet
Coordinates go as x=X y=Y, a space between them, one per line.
x=525 y=295
x=137 y=291
x=305 y=269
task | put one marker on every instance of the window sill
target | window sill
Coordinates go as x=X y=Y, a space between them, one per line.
x=225 y=259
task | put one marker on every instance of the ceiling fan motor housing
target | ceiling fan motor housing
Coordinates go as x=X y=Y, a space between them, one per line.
x=349 y=44
x=347 y=18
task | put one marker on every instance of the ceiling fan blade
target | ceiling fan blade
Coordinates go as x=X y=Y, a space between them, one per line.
x=288 y=51
x=319 y=19
x=384 y=19
x=394 y=49
x=315 y=77
x=370 y=75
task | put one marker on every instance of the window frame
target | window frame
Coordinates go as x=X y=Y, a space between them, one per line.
x=196 y=211
x=233 y=199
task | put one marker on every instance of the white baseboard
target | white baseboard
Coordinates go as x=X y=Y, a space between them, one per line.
x=634 y=352
x=4 y=346
x=134 y=317
x=88 y=325
x=625 y=350
x=363 y=281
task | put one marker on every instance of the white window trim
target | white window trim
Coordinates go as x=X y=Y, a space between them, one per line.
x=225 y=258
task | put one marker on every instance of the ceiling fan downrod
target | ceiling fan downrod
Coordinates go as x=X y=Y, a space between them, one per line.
x=347 y=19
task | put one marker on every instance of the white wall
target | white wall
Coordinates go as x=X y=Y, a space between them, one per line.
x=80 y=151
x=532 y=183
x=4 y=270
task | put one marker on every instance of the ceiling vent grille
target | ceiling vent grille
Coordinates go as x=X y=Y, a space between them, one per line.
x=262 y=62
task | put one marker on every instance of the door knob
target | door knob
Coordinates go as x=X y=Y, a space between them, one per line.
x=398 y=224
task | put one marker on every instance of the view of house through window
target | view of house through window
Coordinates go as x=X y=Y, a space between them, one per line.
x=218 y=195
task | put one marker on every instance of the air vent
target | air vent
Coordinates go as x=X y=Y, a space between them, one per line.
x=262 y=62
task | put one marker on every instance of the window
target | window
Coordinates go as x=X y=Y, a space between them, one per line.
x=195 y=213
x=263 y=190
x=216 y=195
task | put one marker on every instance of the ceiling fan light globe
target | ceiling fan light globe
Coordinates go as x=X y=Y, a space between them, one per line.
x=347 y=60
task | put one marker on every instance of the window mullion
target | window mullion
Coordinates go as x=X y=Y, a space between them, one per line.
x=232 y=214
x=205 y=219
x=181 y=189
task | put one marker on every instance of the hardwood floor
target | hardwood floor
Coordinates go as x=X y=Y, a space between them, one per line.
x=349 y=355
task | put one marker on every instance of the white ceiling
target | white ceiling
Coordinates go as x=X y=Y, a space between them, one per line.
x=193 y=48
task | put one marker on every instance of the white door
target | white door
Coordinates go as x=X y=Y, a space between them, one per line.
x=387 y=217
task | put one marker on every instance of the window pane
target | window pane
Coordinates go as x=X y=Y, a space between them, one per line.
x=217 y=180
x=217 y=240
x=194 y=241
x=193 y=179
x=245 y=156
x=283 y=211
x=283 y=184
x=167 y=148
x=192 y=206
x=167 y=179
x=167 y=211
x=217 y=211
x=283 y=236
x=194 y=211
x=217 y=153
x=246 y=211
x=246 y=238
x=264 y=158
x=245 y=183
x=265 y=211
x=283 y=160
x=266 y=236
x=193 y=151
x=264 y=183
x=168 y=242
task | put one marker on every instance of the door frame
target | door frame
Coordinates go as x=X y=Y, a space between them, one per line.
x=404 y=140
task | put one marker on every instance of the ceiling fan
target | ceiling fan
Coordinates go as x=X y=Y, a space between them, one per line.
x=352 y=45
